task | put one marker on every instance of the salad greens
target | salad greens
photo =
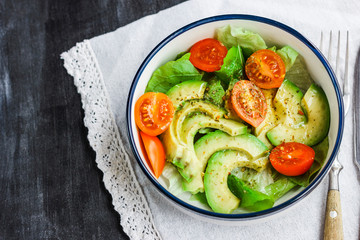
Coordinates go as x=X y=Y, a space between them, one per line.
x=249 y=186
x=250 y=42
x=299 y=75
x=288 y=55
x=233 y=66
x=251 y=198
x=172 y=73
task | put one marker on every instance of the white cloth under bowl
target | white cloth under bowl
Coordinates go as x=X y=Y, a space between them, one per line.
x=103 y=69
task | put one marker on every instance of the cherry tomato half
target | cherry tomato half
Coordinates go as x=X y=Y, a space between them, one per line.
x=208 y=55
x=249 y=102
x=153 y=113
x=155 y=152
x=265 y=68
x=292 y=158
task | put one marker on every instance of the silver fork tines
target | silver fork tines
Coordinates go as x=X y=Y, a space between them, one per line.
x=334 y=183
x=344 y=82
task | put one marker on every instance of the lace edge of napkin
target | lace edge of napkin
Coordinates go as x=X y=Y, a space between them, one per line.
x=103 y=135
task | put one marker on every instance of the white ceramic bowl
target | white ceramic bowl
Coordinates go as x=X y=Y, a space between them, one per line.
x=274 y=33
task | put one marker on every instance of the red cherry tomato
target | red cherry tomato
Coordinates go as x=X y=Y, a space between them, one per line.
x=155 y=153
x=208 y=55
x=265 y=68
x=292 y=158
x=249 y=102
x=153 y=113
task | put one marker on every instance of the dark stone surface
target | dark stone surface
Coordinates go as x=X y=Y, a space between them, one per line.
x=50 y=187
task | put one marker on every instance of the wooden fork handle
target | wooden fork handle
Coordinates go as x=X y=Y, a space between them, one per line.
x=333 y=218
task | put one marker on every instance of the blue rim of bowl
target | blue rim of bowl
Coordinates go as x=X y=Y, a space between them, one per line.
x=252 y=215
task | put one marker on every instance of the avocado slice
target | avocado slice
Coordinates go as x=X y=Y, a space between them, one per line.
x=284 y=107
x=195 y=106
x=317 y=110
x=192 y=125
x=192 y=89
x=287 y=103
x=174 y=147
x=270 y=118
x=221 y=163
x=216 y=141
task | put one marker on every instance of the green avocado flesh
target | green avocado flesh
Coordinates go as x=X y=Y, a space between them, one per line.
x=174 y=147
x=283 y=107
x=195 y=106
x=317 y=110
x=221 y=163
x=270 y=118
x=191 y=89
x=191 y=126
x=287 y=104
x=188 y=90
x=217 y=141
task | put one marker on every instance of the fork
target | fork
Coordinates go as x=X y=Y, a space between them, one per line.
x=333 y=219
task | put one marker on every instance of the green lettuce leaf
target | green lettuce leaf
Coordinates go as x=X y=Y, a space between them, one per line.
x=288 y=55
x=172 y=73
x=233 y=66
x=200 y=197
x=281 y=186
x=250 y=199
x=299 y=75
x=172 y=179
x=249 y=41
x=258 y=190
x=249 y=186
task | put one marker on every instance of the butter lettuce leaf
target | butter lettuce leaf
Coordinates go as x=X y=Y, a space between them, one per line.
x=288 y=55
x=299 y=75
x=281 y=186
x=172 y=178
x=200 y=197
x=249 y=41
x=172 y=73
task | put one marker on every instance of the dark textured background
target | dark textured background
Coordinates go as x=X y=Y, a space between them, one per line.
x=50 y=187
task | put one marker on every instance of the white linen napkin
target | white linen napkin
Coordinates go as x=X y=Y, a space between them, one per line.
x=103 y=69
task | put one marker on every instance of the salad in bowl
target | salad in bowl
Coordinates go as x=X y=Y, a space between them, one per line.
x=235 y=122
